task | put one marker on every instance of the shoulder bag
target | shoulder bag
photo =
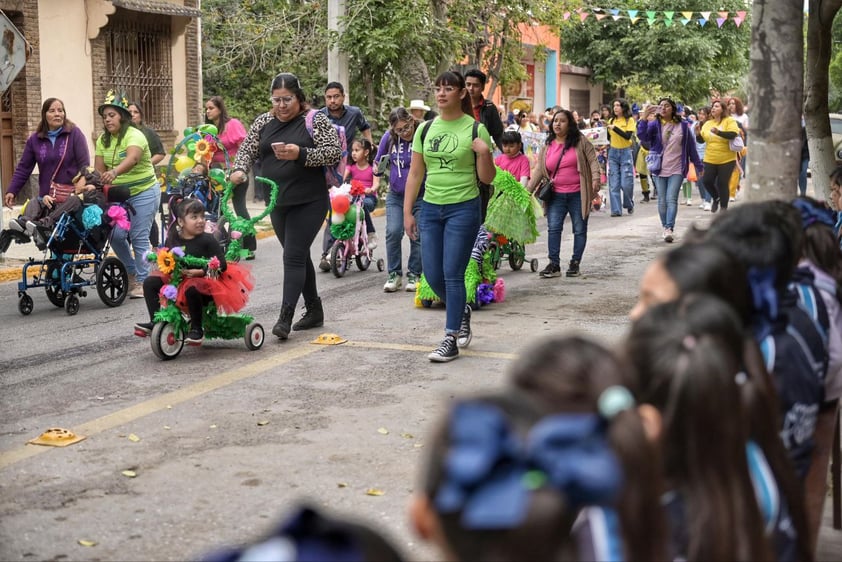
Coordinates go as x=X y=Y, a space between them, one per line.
x=61 y=191
x=545 y=190
x=736 y=144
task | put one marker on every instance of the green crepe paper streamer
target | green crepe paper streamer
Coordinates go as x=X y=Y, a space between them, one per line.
x=425 y=293
x=224 y=327
x=511 y=212
x=344 y=230
x=473 y=278
x=245 y=226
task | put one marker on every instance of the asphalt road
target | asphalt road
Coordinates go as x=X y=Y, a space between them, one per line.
x=228 y=440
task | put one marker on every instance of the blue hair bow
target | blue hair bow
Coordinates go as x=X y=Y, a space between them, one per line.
x=488 y=468
x=764 y=298
x=811 y=214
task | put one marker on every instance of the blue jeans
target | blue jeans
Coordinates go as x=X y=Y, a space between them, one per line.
x=703 y=193
x=394 y=236
x=621 y=179
x=145 y=204
x=668 y=189
x=449 y=232
x=559 y=207
x=369 y=204
x=802 y=178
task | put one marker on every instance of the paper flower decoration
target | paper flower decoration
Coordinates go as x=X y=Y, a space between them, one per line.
x=202 y=147
x=236 y=234
x=178 y=251
x=499 y=290
x=485 y=293
x=357 y=188
x=119 y=217
x=169 y=292
x=166 y=261
x=213 y=263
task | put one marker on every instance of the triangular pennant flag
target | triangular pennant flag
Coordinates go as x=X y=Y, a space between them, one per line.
x=650 y=21
x=720 y=21
x=684 y=21
x=668 y=23
x=702 y=22
x=687 y=15
x=632 y=14
x=583 y=16
x=566 y=16
x=599 y=17
x=633 y=20
x=615 y=18
x=723 y=15
x=705 y=15
x=614 y=12
x=668 y=15
x=738 y=20
x=650 y=14
x=741 y=14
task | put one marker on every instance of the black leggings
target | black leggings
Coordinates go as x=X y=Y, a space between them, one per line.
x=296 y=227
x=196 y=300
x=238 y=199
x=716 y=178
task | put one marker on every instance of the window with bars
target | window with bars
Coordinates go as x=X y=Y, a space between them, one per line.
x=138 y=61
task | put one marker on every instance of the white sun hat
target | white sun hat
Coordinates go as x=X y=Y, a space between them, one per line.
x=419 y=104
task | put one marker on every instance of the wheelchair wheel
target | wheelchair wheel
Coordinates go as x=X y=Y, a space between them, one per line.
x=112 y=282
x=516 y=256
x=166 y=343
x=338 y=261
x=25 y=304
x=363 y=261
x=254 y=336
x=52 y=286
x=71 y=304
x=533 y=265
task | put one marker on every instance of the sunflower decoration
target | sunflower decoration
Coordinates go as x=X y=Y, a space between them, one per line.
x=201 y=150
x=166 y=261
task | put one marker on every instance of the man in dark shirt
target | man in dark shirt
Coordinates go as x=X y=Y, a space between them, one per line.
x=348 y=116
x=484 y=110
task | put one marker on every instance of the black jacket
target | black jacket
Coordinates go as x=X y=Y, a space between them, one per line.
x=489 y=117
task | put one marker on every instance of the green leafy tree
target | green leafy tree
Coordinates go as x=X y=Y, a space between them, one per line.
x=688 y=62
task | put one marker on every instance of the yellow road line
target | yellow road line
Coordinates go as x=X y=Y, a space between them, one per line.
x=158 y=403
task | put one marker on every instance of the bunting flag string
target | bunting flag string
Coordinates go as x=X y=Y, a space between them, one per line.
x=652 y=17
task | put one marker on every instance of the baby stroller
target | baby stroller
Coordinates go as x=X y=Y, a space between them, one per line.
x=172 y=323
x=351 y=238
x=74 y=259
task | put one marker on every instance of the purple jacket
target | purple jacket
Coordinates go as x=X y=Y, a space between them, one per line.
x=400 y=157
x=649 y=134
x=42 y=152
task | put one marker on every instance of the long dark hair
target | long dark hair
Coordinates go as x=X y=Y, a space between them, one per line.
x=125 y=123
x=43 y=127
x=569 y=375
x=624 y=105
x=223 y=113
x=453 y=78
x=676 y=118
x=686 y=357
x=573 y=132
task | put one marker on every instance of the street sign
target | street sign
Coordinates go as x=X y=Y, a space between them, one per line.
x=14 y=51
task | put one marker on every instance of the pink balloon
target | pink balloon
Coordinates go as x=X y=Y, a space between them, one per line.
x=236 y=234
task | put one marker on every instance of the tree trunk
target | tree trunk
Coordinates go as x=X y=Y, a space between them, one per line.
x=819 y=44
x=775 y=94
x=417 y=78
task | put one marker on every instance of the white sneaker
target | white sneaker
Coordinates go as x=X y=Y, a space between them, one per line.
x=732 y=199
x=393 y=284
x=689 y=201
x=707 y=205
x=668 y=236
x=411 y=283
x=372 y=241
x=702 y=205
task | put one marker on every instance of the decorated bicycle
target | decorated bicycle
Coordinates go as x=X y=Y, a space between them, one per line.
x=229 y=290
x=348 y=230
x=510 y=224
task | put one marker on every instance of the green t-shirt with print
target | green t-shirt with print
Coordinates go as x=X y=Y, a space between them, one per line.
x=139 y=178
x=450 y=160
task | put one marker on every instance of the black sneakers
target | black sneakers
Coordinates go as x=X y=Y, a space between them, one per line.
x=463 y=338
x=572 y=269
x=446 y=351
x=714 y=206
x=195 y=336
x=552 y=270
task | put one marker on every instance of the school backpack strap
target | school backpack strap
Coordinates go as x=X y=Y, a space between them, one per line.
x=424 y=128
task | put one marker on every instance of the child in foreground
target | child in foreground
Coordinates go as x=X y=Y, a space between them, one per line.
x=513 y=160
x=228 y=285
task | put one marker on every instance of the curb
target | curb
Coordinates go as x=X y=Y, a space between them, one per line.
x=15 y=273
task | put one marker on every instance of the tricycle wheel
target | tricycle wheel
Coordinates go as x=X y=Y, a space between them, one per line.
x=516 y=255
x=166 y=343
x=25 y=304
x=71 y=304
x=254 y=336
x=533 y=265
x=381 y=265
x=112 y=282
x=426 y=303
x=338 y=260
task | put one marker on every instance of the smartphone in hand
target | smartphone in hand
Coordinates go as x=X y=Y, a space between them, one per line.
x=383 y=164
x=278 y=148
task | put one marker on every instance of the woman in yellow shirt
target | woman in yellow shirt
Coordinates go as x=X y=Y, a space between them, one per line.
x=717 y=132
x=621 y=129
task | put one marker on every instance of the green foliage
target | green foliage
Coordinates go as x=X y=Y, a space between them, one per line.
x=689 y=63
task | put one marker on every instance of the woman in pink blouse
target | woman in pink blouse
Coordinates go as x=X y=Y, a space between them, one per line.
x=231 y=134
x=569 y=160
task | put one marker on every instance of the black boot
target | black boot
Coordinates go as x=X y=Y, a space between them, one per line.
x=313 y=318
x=282 y=326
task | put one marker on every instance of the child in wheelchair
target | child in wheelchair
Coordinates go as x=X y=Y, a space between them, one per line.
x=226 y=284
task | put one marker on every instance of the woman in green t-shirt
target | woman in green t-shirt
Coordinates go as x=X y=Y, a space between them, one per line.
x=454 y=152
x=123 y=160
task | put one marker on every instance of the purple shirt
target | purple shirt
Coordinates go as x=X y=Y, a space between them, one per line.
x=42 y=152
x=400 y=157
